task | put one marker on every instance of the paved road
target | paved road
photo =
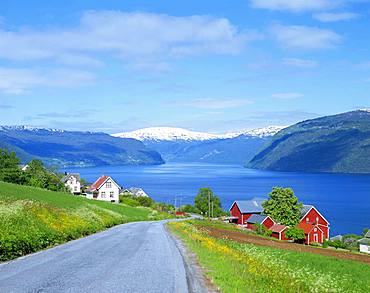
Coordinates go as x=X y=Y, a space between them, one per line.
x=135 y=257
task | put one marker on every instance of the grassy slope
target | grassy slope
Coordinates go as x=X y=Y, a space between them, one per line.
x=236 y=267
x=32 y=219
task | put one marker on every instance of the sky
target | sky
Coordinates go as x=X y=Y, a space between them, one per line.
x=214 y=66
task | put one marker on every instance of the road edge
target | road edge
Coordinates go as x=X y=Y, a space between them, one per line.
x=195 y=277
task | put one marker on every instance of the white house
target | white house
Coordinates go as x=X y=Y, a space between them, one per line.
x=73 y=182
x=365 y=243
x=136 y=192
x=105 y=189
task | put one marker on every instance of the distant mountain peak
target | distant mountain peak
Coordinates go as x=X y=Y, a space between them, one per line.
x=365 y=110
x=28 y=128
x=173 y=134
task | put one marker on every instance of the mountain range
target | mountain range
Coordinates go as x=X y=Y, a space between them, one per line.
x=181 y=145
x=73 y=148
x=338 y=143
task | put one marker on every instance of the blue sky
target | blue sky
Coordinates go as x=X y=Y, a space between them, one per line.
x=204 y=65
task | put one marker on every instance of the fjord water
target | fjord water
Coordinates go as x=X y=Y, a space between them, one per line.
x=344 y=199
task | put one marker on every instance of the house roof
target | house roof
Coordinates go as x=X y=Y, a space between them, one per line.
x=255 y=218
x=278 y=228
x=99 y=182
x=367 y=235
x=365 y=241
x=66 y=177
x=250 y=206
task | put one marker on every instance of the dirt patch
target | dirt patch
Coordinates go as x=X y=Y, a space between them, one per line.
x=254 y=239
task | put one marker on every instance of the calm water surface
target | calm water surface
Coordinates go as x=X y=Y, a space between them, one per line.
x=343 y=199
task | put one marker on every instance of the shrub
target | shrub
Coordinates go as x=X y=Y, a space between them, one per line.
x=262 y=230
x=145 y=201
x=129 y=201
x=325 y=244
x=295 y=233
x=336 y=244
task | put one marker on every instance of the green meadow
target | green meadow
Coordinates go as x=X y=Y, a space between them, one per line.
x=32 y=219
x=238 y=267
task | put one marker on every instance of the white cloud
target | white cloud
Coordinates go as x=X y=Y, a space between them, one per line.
x=305 y=37
x=19 y=80
x=298 y=62
x=213 y=103
x=126 y=35
x=287 y=96
x=333 y=17
x=295 y=5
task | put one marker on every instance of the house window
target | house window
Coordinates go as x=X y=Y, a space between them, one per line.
x=315 y=238
x=75 y=188
x=307 y=219
x=103 y=194
x=111 y=194
x=109 y=185
x=317 y=219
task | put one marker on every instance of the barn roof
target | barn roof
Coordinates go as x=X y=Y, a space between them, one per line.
x=250 y=206
x=305 y=209
x=255 y=218
x=278 y=228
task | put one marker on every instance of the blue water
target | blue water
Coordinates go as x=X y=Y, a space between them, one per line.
x=343 y=199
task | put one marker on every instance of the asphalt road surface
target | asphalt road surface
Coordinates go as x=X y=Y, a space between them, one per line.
x=135 y=257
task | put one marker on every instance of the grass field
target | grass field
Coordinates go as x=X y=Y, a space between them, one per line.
x=237 y=267
x=32 y=219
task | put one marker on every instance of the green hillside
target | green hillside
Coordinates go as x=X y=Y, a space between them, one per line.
x=32 y=219
x=338 y=143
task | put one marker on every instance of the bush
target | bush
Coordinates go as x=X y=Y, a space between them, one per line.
x=325 y=244
x=129 y=201
x=145 y=201
x=336 y=244
x=262 y=230
x=295 y=233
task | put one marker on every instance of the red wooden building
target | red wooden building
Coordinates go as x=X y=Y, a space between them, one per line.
x=243 y=209
x=313 y=223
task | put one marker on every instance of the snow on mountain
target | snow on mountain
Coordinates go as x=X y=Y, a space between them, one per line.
x=28 y=128
x=171 y=134
x=166 y=133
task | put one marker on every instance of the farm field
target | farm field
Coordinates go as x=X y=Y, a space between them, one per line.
x=32 y=219
x=234 y=266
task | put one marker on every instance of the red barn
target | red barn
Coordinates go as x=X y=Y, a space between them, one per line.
x=243 y=209
x=278 y=231
x=259 y=219
x=314 y=225
x=250 y=212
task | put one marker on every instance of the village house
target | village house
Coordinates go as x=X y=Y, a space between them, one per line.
x=364 y=243
x=73 y=182
x=135 y=192
x=249 y=212
x=105 y=189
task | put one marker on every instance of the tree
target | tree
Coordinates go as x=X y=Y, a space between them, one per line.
x=283 y=206
x=9 y=168
x=295 y=233
x=208 y=203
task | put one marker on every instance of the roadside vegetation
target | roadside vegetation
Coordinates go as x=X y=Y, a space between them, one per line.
x=32 y=218
x=242 y=267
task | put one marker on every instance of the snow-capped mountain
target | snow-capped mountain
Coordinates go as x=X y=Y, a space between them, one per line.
x=28 y=128
x=175 y=134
